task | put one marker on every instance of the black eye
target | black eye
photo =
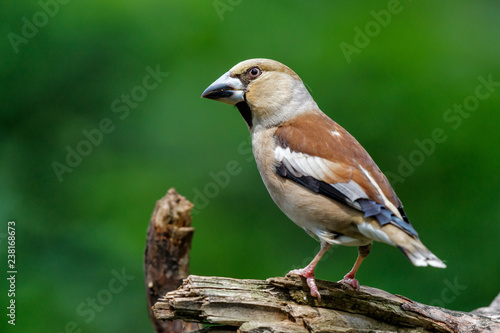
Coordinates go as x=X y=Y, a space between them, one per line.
x=254 y=72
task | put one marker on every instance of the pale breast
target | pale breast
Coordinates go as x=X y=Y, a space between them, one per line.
x=320 y=216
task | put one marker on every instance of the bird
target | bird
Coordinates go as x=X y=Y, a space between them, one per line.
x=317 y=173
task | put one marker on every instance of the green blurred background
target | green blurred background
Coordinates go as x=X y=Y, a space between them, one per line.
x=73 y=232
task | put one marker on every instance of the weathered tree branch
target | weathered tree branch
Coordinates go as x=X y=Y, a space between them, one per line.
x=285 y=305
x=277 y=304
x=166 y=258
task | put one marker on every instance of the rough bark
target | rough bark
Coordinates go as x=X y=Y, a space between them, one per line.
x=166 y=258
x=285 y=305
x=277 y=304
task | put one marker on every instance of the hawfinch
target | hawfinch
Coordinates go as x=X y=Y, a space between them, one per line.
x=315 y=171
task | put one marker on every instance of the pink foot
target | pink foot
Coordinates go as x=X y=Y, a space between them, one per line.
x=308 y=274
x=350 y=280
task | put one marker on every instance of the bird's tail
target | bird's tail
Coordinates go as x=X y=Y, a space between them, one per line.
x=419 y=255
x=412 y=247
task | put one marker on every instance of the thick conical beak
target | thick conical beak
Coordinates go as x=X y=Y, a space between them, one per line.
x=226 y=89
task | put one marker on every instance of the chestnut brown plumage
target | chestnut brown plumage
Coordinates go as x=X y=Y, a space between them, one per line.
x=315 y=171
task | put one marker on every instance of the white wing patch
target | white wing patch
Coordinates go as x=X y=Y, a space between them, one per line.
x=307 y=165
x=300 y=164
x=336 y=133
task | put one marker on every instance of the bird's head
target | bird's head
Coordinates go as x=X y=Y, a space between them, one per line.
x=266 y=92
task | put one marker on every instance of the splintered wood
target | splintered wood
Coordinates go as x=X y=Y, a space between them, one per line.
x=281 y=304
x=166 y=258
x=285 y=305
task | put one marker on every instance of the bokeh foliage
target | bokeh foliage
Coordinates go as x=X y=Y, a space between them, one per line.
x=72 y=234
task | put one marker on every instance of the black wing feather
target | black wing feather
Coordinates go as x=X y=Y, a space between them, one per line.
x=367 y=206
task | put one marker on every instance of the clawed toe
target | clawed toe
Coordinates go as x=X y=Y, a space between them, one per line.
x=351 y=282
x=310 y=279
x=311 y=282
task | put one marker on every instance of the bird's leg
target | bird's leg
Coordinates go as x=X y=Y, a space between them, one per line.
x=308 y=271
x=349 y=278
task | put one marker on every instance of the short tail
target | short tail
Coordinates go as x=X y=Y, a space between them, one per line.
x=413 y=249
x=419 y=255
